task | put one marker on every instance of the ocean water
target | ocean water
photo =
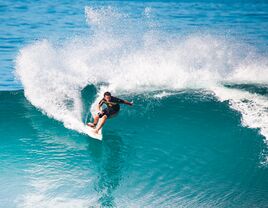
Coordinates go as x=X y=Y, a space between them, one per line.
x=197 y=134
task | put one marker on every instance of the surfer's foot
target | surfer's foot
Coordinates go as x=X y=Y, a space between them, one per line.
x=91 y=125
x=96 y=131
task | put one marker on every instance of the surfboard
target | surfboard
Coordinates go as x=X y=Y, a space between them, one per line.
x=90 y=132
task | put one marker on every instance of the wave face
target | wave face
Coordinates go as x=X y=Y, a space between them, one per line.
x=129 y=57
x=175 y=149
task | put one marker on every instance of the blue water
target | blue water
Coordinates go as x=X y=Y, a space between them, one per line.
x=197 y=72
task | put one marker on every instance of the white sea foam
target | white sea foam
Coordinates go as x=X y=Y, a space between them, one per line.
x=53 y=76
x=253 y=107
x=45 y=202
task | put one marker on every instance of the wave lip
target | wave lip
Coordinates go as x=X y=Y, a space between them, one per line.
x=253 y=107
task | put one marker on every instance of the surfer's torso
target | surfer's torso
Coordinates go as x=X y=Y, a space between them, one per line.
x=112 y=104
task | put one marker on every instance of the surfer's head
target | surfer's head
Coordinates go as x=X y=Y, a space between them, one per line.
x=107 y=96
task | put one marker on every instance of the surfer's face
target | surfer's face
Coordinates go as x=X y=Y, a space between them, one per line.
x=107 y=98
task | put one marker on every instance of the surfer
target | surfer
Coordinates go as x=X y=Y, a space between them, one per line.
x=112 y=109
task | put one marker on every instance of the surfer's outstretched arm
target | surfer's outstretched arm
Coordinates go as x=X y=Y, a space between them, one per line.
x=128 y=103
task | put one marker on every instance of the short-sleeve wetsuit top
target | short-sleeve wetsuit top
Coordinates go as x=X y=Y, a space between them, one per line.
x=112 y=104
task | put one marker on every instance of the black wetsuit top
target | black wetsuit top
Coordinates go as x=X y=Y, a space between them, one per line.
x=113 y=104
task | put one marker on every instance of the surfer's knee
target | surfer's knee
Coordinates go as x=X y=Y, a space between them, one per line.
x=100 y=115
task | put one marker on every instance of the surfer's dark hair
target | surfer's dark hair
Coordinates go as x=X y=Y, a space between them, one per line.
x=107 y=94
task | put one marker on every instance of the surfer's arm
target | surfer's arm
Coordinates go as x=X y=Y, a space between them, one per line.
x=127 y=102
x=123 y=101
x=99 y=105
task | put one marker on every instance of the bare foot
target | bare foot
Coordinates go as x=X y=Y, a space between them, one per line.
x=91 y=125
x=96 y=131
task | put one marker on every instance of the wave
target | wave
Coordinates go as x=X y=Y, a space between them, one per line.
x=120 y=57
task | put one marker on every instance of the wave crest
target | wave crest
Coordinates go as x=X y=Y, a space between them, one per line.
x=124 y=62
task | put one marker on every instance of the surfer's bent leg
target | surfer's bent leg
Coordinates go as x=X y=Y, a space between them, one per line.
x=96 y=120
x=106 y=113
x=97 y=117
x=102 y=122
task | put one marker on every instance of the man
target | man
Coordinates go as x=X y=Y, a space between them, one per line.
x=112 y=109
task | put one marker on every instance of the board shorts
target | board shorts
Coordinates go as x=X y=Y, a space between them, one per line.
x=109 y=112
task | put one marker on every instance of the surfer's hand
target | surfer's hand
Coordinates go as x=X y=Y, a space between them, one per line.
x=127 y=102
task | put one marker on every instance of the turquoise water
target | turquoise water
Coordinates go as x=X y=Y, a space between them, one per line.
x=197 y=134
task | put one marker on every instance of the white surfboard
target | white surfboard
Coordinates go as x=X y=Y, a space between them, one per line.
x=90 y=132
